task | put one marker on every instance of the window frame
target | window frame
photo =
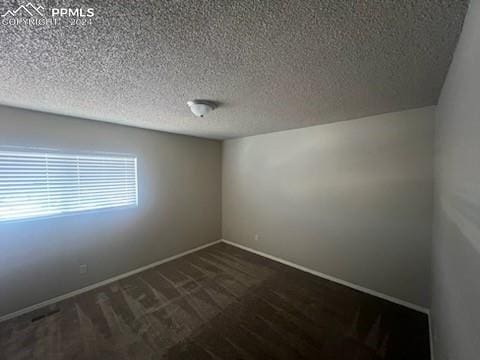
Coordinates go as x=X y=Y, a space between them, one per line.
x=79 y=153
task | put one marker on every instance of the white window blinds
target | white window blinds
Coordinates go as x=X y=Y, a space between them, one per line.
x=36 y=184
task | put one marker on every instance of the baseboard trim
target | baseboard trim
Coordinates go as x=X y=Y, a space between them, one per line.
x=334 y=279
x=101 y=283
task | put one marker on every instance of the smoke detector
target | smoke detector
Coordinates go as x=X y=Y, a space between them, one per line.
x=201 y=108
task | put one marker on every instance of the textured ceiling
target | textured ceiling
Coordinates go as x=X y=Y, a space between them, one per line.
x=273 y=65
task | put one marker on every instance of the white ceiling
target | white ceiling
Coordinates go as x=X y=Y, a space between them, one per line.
x=273 y=65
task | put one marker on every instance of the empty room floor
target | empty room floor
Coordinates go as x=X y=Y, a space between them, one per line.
x=219 y=303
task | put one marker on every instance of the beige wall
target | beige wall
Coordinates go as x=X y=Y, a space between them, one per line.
x=456 y=245
x=351 y=199
x=179 y=208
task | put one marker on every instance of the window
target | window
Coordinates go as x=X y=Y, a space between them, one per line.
x=39 y=184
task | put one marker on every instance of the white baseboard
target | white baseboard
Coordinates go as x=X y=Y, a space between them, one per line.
x=334 y=279
x=101 y=283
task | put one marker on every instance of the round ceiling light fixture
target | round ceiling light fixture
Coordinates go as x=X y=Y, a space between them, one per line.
x=201 y=108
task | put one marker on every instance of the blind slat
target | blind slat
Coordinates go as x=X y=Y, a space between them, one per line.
x=67 y=206
x=62 y=187
x=35 y=197
x=32 y=186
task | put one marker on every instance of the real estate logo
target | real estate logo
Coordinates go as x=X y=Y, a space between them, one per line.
x=29 y=9
x=30 y=14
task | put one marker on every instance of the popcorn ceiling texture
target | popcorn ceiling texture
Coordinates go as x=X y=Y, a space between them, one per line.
x=273 y=65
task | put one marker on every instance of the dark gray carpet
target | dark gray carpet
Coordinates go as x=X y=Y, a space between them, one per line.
x=219 y=303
